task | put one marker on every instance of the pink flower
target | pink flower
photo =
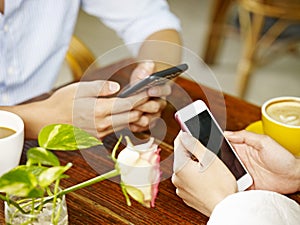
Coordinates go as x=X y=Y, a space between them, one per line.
x=140 y=171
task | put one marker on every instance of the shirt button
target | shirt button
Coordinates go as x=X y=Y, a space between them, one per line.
x=6 y=28
x=4 y=98
x=11 y=70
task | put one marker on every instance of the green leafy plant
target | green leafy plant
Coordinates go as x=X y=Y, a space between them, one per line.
x=39 y=179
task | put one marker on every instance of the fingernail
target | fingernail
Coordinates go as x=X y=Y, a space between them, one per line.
x=153 y=91
x=228 y=133
x=113 y=86
x=148 y=65
x=185 y=137
x=142 y=73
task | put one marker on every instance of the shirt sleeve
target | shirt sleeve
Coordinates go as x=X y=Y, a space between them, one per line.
x=133 y=20
x=256 y=207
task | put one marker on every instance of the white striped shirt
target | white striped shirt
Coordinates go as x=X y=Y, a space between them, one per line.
x=35 y=35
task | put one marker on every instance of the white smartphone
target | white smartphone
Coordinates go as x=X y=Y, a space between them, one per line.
x=197 y=120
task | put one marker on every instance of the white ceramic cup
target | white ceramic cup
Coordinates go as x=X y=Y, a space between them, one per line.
x=11 y=147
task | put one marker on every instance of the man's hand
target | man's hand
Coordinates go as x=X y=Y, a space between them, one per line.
x=83 y=104
x=271 y=166
x=90 y=111
x=150 y=110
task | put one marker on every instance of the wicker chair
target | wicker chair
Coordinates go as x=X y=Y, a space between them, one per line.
x=252 y=16
x=79 y=58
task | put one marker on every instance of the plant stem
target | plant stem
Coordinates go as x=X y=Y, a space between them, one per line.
x=15 y=204
x=97 y=179
x=54 y=218
x=89 y=182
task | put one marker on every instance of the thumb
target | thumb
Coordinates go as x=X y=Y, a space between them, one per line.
x=193 y=146
x=142 y=70
x=97 y=88
x=184 y=147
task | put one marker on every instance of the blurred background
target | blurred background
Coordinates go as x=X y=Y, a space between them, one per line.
x=279 y=77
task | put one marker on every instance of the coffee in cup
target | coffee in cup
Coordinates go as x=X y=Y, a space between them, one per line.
x=6 y=132
x=281 y=121
x=11 y=140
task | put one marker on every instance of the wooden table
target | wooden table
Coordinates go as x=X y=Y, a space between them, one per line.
x=103 y=203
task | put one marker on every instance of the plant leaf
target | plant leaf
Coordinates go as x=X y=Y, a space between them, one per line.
x=66 y=137
x=19 y=181
x=51 y=174
x=35 y=170
x=38 y=155
x=36 y=192
x=135 y=193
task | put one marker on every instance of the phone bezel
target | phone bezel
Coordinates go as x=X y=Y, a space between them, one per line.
x=193 y=110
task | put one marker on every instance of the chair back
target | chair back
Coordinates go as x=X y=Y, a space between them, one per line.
x=79 y=58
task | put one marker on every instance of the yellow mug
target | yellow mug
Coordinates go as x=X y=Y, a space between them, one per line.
x=281 y=121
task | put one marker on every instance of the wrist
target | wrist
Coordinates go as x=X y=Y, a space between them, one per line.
x=31 y=117
x=220 y=198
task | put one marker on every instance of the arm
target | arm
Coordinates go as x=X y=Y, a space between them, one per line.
x=138 y=21
x=31 y=116
x=163 y=47
x=151 y=32
x=79 y=104
x=256 y=207
x=165 y=52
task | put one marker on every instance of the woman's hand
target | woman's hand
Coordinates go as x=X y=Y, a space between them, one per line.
x=271 y=166
x=201 y=190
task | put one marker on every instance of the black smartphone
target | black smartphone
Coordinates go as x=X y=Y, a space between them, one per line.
x=158 y=78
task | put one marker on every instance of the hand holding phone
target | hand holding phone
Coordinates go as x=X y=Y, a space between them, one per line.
x=197 y=120
x=158 y=78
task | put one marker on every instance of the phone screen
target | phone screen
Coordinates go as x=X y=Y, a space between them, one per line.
x=207 y=132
